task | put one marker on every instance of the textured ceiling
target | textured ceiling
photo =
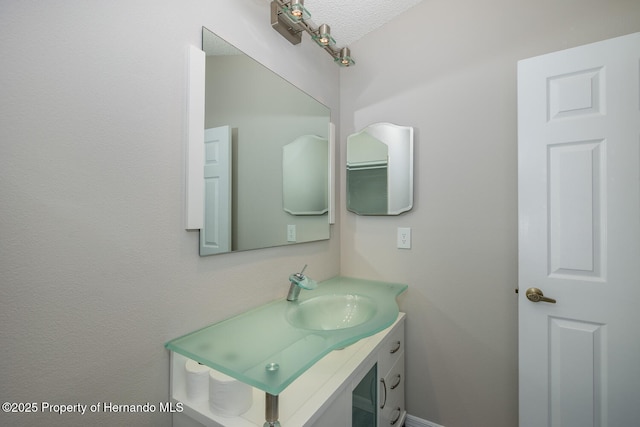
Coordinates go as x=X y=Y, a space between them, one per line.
x=351 y=19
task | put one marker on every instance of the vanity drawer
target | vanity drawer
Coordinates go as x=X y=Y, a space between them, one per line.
x=391 y=349
x=392 y=395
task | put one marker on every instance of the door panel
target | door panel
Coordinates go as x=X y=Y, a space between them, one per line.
x=576 y=364
x=575 y=208
x=215 y=236
x=579 y=235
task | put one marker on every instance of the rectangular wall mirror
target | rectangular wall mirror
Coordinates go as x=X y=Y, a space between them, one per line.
x=266 y=144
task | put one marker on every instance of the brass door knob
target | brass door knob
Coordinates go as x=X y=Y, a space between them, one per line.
x=536 y=295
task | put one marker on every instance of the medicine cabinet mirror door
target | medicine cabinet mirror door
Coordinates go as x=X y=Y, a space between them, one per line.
x=380 y=170
x=272 y=130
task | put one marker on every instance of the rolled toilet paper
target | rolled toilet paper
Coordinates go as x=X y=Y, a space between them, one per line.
x=227 y=396
x=197 y=383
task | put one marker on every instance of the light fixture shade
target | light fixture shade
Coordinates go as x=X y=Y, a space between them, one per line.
x=344 y=58
x=323 y=36
x=296 y=11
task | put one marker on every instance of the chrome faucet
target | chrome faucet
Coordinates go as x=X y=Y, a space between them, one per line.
x=299 y=281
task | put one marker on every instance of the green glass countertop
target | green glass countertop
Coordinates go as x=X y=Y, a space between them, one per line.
x=264 y=348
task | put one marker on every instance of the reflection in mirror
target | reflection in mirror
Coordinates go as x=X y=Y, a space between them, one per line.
x=305 y=176
x=251 y=115
x=380 y=170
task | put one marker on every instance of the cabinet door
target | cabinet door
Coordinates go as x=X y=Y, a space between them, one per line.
x=364 y=398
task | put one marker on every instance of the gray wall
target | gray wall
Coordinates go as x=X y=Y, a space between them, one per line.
x=448 y=68
x=96 y=270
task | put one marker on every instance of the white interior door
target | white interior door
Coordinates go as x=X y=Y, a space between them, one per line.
x=215 y=237
x=579 y=235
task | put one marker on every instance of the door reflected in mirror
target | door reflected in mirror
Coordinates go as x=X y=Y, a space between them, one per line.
x=251 y=116
x=380 y=170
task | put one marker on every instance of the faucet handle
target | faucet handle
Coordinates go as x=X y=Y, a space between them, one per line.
x=303 y=281
x=300 y=281
x=302 y=271
x=299 y=276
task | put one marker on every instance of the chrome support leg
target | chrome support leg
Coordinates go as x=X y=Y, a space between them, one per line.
x=271 y=411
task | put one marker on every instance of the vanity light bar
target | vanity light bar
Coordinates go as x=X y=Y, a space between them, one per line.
x=290 y=19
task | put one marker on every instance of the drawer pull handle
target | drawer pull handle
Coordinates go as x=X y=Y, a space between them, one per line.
x=393 y=387
x=396 y=348
x=395 y=420
x=384 y=388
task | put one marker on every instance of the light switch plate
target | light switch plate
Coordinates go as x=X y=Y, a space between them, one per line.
x=404 y=237
x=291 y=233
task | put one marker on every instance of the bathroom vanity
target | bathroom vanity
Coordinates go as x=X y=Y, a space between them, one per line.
x=335 y=357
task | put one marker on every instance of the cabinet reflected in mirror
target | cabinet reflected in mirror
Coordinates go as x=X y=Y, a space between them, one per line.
x=251 y=114
x=305 y=169
x=380 y=170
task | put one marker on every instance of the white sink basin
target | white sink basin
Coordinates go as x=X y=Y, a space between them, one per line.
x=331 y=312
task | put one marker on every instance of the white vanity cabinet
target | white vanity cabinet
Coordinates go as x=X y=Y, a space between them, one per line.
x=327 y=394
x=384 y=373
x=391 y=373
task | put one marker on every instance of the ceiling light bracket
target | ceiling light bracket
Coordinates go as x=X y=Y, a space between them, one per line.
x=291 y=28
x=281 y=23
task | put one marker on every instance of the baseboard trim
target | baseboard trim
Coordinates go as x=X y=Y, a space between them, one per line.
x=412 y=421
